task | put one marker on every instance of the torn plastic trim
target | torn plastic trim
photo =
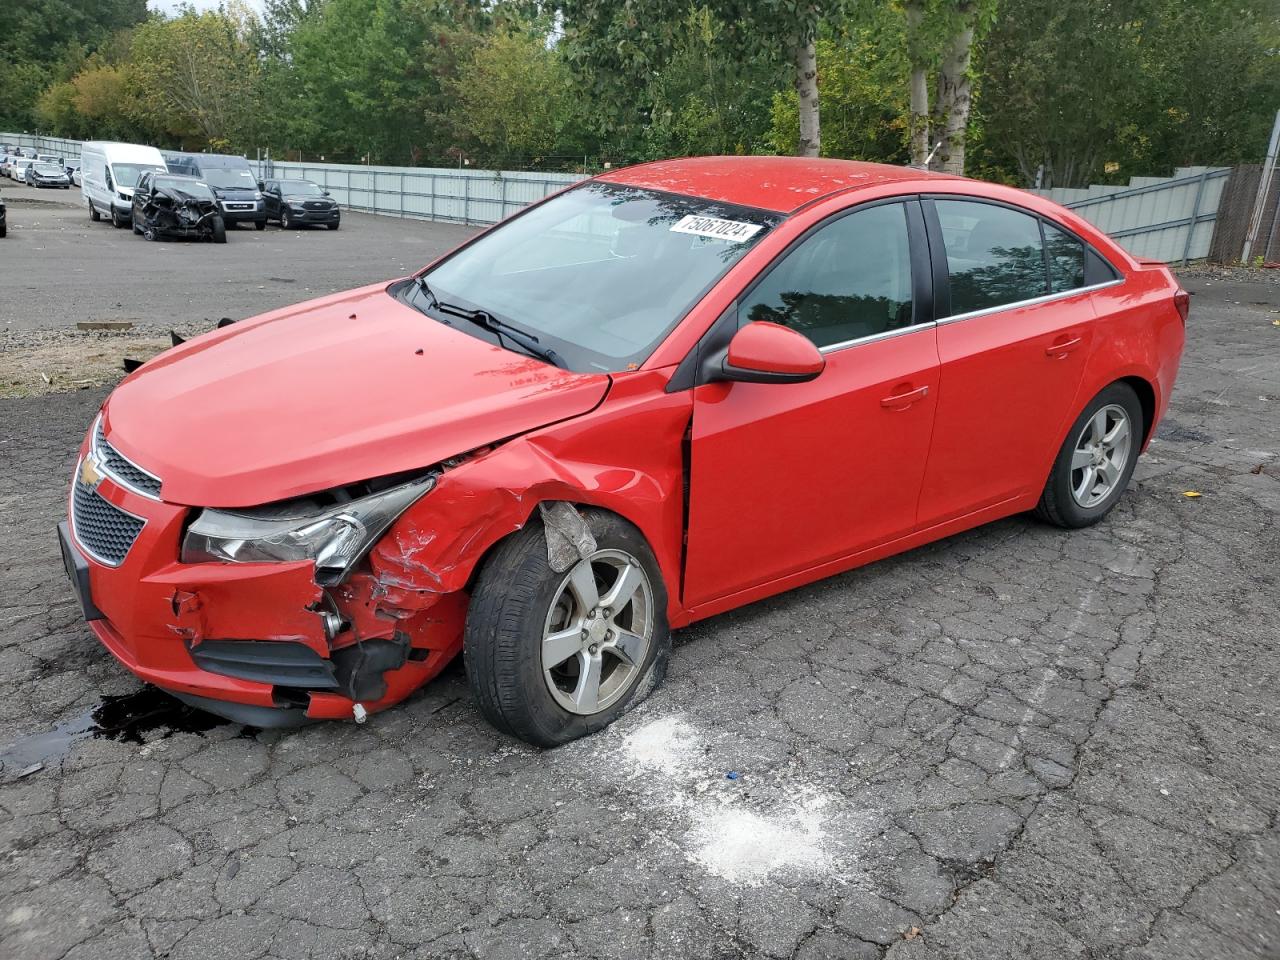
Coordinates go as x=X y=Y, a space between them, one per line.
x=569 y=539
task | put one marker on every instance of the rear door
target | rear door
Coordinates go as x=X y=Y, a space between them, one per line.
x=1014 y=331
x=785 y=477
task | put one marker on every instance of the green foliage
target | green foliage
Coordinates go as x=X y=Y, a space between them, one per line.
x=863 y=94
x=1085 y=88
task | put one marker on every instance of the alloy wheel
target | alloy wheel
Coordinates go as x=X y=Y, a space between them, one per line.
x=597 y=632
x=1100 y=455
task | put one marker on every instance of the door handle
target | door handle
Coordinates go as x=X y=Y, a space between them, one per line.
x=901 y=401
x=1060 y=348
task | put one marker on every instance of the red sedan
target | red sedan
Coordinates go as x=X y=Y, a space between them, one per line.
x=658 y=395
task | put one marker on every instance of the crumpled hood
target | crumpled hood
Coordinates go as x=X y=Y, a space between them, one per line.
x=326 y=393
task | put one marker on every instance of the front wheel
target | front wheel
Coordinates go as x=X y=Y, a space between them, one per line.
x=1096 y=461
x=118 y=222
x=555 y=655
x=260 y=224
x=219 y=228
x=286 y=221
x=334 y=226
x=149 y=233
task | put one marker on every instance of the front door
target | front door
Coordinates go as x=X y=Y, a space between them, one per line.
x=785 y=477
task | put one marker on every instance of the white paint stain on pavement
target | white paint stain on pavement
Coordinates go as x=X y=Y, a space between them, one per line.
x=744 y=831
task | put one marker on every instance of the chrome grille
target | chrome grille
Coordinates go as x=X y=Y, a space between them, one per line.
x=103 y=529
x=129 y=473
x=317 y=205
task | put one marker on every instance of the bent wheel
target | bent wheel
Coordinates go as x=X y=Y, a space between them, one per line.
x=553 y=656
x=1096 y=461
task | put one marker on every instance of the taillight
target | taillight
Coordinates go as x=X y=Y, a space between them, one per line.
x=1182 y=303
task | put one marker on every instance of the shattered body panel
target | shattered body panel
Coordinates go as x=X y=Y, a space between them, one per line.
x=170 y=213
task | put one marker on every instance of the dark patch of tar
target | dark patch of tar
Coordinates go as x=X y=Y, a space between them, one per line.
x=148 y=714
x=1174 y=432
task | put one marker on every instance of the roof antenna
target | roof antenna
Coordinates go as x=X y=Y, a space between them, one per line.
x=929 y=159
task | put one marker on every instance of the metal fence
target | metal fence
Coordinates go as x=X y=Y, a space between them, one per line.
x=1164 y=218
x=426 y=193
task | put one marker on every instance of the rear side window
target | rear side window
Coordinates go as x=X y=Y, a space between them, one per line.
x=994 y=255
x=849 y=279
x=1066 y=260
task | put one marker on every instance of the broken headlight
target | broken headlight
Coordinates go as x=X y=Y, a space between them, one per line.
x=334 y=536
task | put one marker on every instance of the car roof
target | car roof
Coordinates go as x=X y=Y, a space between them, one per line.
x=781 y=184
x=210 y=159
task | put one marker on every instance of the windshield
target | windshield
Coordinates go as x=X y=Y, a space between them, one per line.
x=600 y=273
x=193 y=189
x=48 y=168
x=127 y=174
x=300 y=188
x=226 y=177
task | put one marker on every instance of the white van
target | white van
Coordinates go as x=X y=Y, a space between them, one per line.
x=108 y=174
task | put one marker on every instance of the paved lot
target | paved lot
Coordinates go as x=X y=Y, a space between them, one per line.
x=1018 y=743
x=101 y=273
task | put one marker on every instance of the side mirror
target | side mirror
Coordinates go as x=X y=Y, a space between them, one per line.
x=261 y=185
x=327 y=194
x=763 y=352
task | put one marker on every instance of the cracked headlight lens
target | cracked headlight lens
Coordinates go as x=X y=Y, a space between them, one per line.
x=334 y=536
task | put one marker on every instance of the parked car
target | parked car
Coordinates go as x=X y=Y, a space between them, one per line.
x=233 y=182
x=41 y=174
x=169 y=206
x=73 y=171
x=18 y=168
x=49 y=158
x=299 y=203
x=4 y=223
x=108 y=174
x=658 y=395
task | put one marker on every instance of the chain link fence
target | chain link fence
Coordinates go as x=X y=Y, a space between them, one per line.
x=1248 y=227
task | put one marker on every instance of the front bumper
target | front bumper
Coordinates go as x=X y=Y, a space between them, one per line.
x=242 y=211
x=255 y=642
x=315 y=216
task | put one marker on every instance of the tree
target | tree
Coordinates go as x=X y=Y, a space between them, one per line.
x=611 y=44
x=940 y=39
x=514 y=100
x=864 y=97
x=1072 y=89
x=196 y=75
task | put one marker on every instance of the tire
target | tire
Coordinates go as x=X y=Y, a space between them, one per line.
x=136 y=229
x=1062 y=502
x=259 y=224
x=94 y=215
x=334 y=226
x=117 y=222
x=219 y=230
x=4 y=230
x=517 y=600
x=148 y=233
x=286 y=223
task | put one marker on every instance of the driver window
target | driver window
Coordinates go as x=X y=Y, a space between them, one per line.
x=851 y=279
x=110 y=183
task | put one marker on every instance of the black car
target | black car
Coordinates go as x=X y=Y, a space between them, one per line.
x=232 y=180
x=300 y=203
x=4 y=226
x=168 y=206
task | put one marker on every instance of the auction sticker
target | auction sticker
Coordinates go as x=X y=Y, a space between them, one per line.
x=734 y=230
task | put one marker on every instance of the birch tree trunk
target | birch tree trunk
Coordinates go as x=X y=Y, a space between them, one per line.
x=919 y=104
x=806 y=82
x=951 y=107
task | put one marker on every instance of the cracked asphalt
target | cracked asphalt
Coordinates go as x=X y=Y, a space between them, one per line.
x=1018 y=742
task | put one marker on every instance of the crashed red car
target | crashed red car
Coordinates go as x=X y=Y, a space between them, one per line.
x=660 y=394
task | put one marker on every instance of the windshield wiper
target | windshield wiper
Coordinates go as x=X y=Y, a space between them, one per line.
x=425 y=290
x=499 y=328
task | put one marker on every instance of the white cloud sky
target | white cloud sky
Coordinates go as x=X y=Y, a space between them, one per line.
x=171 y=6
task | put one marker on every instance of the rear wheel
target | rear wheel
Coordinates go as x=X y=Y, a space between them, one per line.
x=94 y=215
x=219 y=230
x=1096 y=461
x=552 y=656
x=260 y=224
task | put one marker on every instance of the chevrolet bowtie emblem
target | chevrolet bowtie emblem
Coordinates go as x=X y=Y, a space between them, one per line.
x=90 y=476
